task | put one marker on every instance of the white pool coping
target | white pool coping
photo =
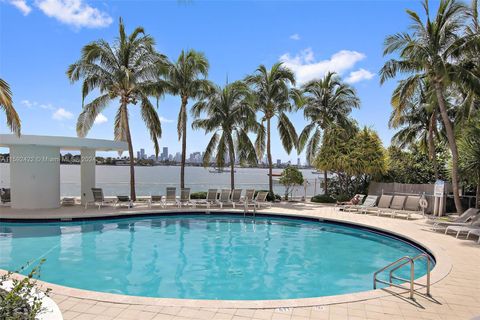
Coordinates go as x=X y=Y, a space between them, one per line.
x=442 y=268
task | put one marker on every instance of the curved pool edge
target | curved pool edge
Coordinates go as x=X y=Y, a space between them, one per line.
x=442 y=268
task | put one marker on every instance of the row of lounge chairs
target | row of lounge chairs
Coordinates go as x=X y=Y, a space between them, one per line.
x=225 y=197
x=467 y=224
x=388 y=205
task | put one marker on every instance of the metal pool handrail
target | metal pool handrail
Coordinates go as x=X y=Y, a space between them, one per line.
x=400 y=263
x=412 y=272
x=422 y=255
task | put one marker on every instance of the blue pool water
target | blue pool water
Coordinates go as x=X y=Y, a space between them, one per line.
x=205 y=256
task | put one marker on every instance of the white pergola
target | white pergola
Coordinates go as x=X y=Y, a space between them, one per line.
x=35 y=167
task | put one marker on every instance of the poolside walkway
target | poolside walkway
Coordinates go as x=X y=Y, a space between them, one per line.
x=456 y=293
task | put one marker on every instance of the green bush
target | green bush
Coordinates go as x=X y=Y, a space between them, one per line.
x=343 y=197
x=198 y=195
x=22 y=302
x=323 y=198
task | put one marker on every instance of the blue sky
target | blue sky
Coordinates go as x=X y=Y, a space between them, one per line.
x=40 y=38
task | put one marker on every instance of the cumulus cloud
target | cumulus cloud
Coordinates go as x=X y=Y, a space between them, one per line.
x=307 y=68
x=28 y=103
x=22 y=6
x=295 y=36
x=359 y=75
x=46 y=106
x=74 y=12
x=61 y=114
x=100 y=119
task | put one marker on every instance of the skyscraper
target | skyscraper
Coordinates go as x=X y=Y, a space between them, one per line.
x=164 y=155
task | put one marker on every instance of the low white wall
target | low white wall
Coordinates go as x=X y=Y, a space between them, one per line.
x=35 y=177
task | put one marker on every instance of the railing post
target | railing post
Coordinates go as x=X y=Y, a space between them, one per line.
x=412 y=277
x=428 y=275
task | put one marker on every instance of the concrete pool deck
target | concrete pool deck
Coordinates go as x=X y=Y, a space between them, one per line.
x=455 y=288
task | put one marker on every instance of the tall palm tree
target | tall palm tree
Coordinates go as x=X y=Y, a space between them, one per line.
x=13 y=120
x=230 y=117
x=271 y=89
x=415 y=114
x=326 y=102
x=469 y=147
x=186 y=78
x=125 y=71
x=431 y=50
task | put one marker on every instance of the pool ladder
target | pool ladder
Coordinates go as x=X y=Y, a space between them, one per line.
x=245 y=209
x=397 y=264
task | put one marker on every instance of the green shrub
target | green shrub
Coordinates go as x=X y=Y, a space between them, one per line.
x=343 y=197
x=198 y=195
x=323 y=198
x=22 y=302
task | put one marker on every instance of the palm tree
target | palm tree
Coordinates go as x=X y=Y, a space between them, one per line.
x=125 y=71
x=431 y=51
x=272 y=98
x=326 y=102
x=230 y=117
x=186 y=78
x=415 y=112
x=13 y=120
x=469 y=147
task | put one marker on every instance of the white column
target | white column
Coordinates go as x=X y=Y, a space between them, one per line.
x=35 y=177
x=87 y=174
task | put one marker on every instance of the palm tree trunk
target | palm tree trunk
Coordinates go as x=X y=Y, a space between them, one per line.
x=232 y=172
x=431 y=147
x=452 y=143
x=184 y=142
x=325 y=182
x=269 y=157
x=477 y=196
x=133 y=196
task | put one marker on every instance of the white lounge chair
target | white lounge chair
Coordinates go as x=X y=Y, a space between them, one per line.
x=343 y=205
x=475 y=232
x=236 y=197
x=99 y=200
x=248 y=198
x=224 y=197
x=155 y=199
x=261 y=199
x=211 y=198
x=396 y=205
x=464 y=229
x=171 y=197
x=123 y=201
x=466 y=216
x=463 y=220
x=185 y=198
x=411 y=206
x=383 y=203
x=370 y=202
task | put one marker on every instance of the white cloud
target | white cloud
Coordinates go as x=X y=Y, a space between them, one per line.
x=28 y=103
x=47 y=106
x=306 y=68
x=295 y=36
x=162 y=119
x=22 y=6
x=75 y=13
x=359 y=75
x=100 y=119
x=61 y=114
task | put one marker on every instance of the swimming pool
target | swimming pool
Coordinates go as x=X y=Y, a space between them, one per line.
x=198 y=256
